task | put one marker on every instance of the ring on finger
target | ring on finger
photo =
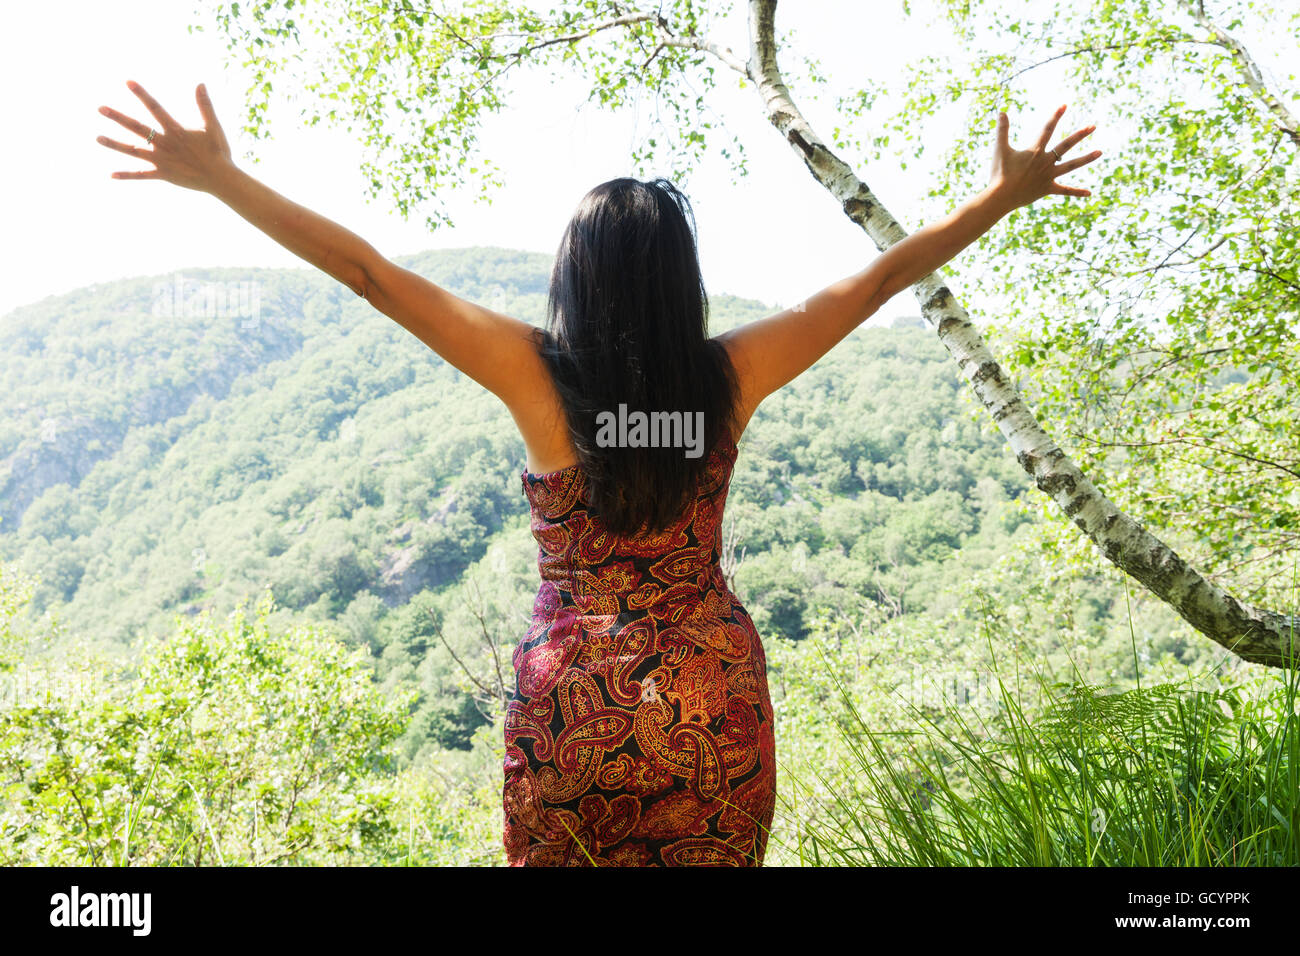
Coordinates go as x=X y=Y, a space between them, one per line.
x=152 y=133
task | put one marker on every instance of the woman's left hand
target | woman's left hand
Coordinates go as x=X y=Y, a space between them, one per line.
x=1023 y=176
x=193 y=158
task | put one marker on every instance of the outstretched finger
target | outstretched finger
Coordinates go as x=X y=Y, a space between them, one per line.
x=1004 y=128
x=205 y=107
x=1065 y=145
x=142 y=174
x=1068 y=165
x=134 y=126
x=151 y=104
x=1050 y=128
x=1059 y=190
x=136 y=151
x=210 y=121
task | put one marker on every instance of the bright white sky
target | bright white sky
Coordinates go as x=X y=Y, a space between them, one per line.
x=776 y=235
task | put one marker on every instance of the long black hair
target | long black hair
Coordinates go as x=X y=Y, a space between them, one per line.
x=627 y=325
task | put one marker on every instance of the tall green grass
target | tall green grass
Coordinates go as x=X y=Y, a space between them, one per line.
x=1175 y=774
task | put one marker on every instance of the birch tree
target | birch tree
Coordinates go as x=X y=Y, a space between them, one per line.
x=415 y=79
x=1158 y=327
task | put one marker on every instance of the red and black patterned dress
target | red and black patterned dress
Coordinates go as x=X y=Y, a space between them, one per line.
x=640 y=729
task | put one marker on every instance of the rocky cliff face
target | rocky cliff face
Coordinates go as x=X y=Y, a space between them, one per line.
x=59 y=442
x=406 y=571
x=62 y=452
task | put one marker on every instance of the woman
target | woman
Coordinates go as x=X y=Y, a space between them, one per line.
x=640 y=730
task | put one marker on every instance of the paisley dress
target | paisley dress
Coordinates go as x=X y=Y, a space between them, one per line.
x=640 y=731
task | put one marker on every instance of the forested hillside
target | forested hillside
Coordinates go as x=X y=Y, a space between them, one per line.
x=158 y=466
x=161 y=464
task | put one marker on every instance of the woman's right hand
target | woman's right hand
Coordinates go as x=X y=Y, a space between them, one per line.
x=193 y=158
x=1022 y=176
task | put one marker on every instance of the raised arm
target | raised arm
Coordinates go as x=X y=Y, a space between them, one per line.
x=493 y=349
x=771 y=351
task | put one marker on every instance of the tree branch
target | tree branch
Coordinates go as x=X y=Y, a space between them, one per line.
x=708 y=46
x=1249 y=70
x=437 y=629
x=1207 y=444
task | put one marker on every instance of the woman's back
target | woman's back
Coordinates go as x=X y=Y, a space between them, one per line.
x=640 y=730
